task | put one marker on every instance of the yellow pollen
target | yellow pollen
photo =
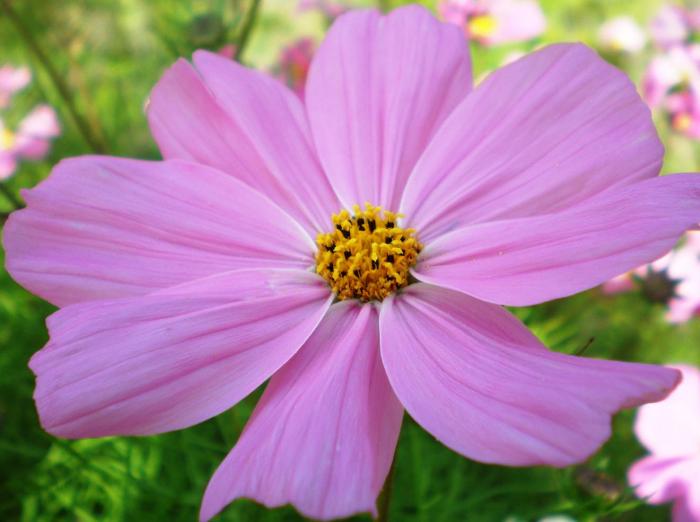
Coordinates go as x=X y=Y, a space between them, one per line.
x=7 y=139
x=682 y=122
x=366 y=256
x=481 y=26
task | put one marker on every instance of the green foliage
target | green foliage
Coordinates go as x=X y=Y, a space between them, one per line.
x=110 y=53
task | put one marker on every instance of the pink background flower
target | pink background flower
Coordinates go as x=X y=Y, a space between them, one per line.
x=493 y=22
x=670 y=430
x=12 y=79
x=31 y=141
x=672 y=84
x=294 y=63
x=674 y=25
x=679 y=268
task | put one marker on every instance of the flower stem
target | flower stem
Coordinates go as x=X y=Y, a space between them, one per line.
x=95 y=143
x=247 y=29
x=10 y=196
x=385 y=495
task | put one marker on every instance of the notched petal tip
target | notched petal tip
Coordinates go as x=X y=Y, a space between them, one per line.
x=314 y=440
x=503 y=398
x=145 y=365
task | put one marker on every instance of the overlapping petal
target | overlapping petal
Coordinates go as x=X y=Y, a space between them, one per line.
x=101 y=228
x=537 y=136
x=378 y=89
x=246 y=124
x=529 y=260
x=168 y=360
x=323 y=435
x=475 y=378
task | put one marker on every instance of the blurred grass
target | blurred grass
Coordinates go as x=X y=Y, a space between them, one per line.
x=110 y=54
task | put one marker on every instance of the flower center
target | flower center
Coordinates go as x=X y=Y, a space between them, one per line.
x=481 y=26
x=7 y=139
x=367 y=256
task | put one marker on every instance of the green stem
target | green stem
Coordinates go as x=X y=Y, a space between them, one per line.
x=247 y=29
x=91 y=139
x=10 y=196
x=385 y=495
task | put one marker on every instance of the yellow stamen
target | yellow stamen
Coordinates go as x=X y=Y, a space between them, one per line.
x=481 y=26
x=7 y=139
x=367 y=256
x=682 y=122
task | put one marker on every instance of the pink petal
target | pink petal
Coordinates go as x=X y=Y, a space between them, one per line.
x=529 y=260
x=102 y=228
x=659 y=479
x=8 y=165
x=537 y=136
x=687 y=509
x=323 y=435
x=168 y=360
x=378 y=89
x=42 y=122
x=246 y=124
x=671 y=428
x=477 y=380
x=31 y=148
x=12 y=79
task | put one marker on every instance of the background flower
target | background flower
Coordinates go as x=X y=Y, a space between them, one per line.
x=672 y=86
x=493 y=22
x=673 y=280
x=294 y=63
x=31 y=141
x=674 y=25
x=670 y=430
x=622 y=34
x=12 y=79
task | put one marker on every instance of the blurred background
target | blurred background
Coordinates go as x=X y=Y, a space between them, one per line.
x=74 y=78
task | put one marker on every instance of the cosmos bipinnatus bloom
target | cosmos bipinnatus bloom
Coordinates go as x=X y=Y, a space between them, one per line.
x=670 y=430
x=355 y=248
x=32 y=138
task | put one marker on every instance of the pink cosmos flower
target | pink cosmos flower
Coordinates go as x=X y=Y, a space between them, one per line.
x=672 y=84
x=493 y=22
x=674 y=25
x=12 y=79
x=184 y=284
x=294 y=64
x=673 y=279
x=670 y=430
x=32 y=140
x=622 y=34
